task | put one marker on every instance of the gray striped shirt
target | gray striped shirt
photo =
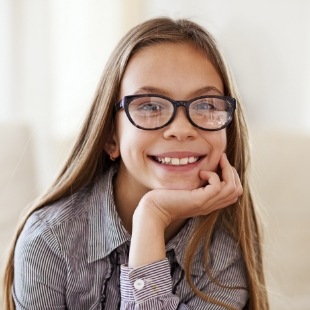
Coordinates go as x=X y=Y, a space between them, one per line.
x=73 y=254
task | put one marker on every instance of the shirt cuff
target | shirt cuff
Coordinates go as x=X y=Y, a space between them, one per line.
x=146 y=282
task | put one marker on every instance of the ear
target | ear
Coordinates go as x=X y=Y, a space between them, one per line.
x=112 y=147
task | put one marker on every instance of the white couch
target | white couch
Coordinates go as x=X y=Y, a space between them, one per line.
x=280 y=177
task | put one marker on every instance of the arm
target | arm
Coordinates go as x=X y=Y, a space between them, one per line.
x=156 y=211
x=156 y=292
x=39 y=270
x=160 y=208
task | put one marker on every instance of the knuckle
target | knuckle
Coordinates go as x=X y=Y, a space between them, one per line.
x=217 y=188
x=231 y=188
x=196 y=204
x=235 y=199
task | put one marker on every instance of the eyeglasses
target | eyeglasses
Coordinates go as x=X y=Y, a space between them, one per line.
x=151 y=112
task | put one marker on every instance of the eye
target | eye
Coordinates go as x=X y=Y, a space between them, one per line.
x=203 y=106
x=150 y=106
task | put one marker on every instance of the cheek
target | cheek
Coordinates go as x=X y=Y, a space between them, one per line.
x=132 y=141
x=218 y=143
x=218 y=140
x=124 y=130
x=224 y=142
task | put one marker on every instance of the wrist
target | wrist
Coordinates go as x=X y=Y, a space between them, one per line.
x=148 y=214
x=147 y=239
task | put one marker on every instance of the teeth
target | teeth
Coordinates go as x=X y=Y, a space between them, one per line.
x=192 y=159
x=167 y=160
x=184 y=161
x=177 y=161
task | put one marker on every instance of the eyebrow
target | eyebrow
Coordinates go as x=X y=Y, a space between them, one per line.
x=150 y=90
x=200 y=92
x=207 y=90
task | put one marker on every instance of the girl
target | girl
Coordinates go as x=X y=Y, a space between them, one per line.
x=152 y=209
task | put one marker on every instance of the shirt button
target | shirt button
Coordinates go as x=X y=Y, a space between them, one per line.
x=139 y=284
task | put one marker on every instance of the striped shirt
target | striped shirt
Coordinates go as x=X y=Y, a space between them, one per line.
x=73 y=254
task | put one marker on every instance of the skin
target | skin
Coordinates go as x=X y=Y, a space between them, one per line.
x=154 y=199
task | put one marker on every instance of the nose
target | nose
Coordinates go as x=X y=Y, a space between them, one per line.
x=180 y=128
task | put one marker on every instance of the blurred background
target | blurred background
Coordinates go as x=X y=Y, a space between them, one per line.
x=52 y=54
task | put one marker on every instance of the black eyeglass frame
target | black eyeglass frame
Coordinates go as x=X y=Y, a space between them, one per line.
x=125 y=101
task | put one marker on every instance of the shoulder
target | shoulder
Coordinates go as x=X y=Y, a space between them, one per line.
x=224 y=243
x=225 y=255
x=219 y=254
x=66 y=209
x=53 y=223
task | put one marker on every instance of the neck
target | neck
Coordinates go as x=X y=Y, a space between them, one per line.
x=126 y=198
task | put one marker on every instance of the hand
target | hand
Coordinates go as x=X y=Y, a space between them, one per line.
x=159 y=208
x=166 y=206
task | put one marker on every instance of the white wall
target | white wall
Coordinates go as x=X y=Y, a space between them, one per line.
x=5 y=60
x=53 y=53
x=267 y=44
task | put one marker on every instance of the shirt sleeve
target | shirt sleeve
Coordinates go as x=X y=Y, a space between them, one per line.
x=147 y=287
x=39 y=269
x=150 y=286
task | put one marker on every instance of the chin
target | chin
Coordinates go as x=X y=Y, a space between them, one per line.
x=184 y=185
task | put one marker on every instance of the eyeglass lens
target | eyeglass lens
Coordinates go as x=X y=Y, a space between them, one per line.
x=153 y=112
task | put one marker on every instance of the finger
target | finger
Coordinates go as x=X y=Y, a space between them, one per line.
x=210 y=176
x=231 y=187
x=237 y=192
x=238 y=182
x=227 y=170
x=221 y=190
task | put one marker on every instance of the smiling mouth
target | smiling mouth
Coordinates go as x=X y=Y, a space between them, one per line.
x=174 y=161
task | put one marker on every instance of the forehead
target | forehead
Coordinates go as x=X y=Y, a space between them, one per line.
x=177 y=69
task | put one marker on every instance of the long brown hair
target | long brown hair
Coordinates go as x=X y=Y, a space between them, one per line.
x=88 y=158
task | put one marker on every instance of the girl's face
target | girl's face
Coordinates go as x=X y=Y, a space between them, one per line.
x=181 y=72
